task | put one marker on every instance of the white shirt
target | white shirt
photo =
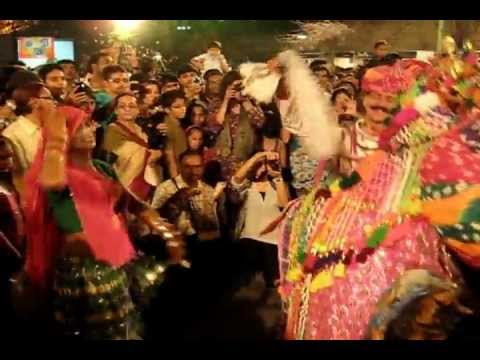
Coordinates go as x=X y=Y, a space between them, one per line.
x=203 y=205
x=211 y=62
x=24 y=136
x=359 y=143
x=259 y=212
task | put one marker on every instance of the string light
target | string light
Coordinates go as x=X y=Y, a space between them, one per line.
x=11 y=26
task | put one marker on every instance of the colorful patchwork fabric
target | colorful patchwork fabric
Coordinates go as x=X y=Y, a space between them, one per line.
x=440 y=191
x=351 y=246
x=451 y=160
x=465 y=232
x=451 y=178
x=350 y=255
x=471 y=137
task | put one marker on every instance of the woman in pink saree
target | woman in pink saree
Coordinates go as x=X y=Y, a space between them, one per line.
x=75 y=231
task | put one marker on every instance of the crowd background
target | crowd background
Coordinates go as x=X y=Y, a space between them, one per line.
x=189 y=144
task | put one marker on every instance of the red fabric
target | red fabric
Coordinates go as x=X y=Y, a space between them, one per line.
x=209 y=154
x=140 y=187
x=94 y=200
x=393 y=79
x=403 y=118
x=450 y=160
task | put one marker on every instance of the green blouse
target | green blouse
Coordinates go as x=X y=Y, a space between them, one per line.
x=103 y=101
x=63 y=207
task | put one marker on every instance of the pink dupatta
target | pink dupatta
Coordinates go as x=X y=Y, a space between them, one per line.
x=94 y=196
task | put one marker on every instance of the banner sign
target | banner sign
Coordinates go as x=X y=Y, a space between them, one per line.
x=36 y=47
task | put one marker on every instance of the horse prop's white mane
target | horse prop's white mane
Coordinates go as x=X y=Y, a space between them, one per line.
x=311 y=116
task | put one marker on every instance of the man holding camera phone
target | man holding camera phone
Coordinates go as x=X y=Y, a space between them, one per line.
x=81 y=96
x=188 y=80
x=63 y=82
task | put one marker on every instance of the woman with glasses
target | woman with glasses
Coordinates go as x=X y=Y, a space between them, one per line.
x=136 y=165
x=33 y=104
x=116 y=82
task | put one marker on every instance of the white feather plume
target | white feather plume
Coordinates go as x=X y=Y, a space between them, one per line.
x=313 y=118
x=259 y=82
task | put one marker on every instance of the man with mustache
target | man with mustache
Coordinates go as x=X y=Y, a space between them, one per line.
x=377 y=103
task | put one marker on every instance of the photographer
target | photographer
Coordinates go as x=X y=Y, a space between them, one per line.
x=189 y=82
x=136 y=164
x=155 y=128
x=169 y=83
x=258 y=186
x=193 y=206
x=149 y=96
x=81 y=95
x=70 y=71
x=240 y=118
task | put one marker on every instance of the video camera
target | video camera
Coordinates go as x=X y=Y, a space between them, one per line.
x=156 y=139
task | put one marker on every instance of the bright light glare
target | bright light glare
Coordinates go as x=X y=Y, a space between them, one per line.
x=124 y=28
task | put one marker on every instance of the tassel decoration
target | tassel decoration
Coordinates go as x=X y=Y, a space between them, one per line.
x=321 y=281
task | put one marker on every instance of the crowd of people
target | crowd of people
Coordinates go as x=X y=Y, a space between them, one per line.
x=134 y=199
x=181 y=157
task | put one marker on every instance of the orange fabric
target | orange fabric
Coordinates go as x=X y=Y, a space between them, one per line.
x=290 y=329
x=476 y=96
x=447 y=211
x=468 y=252
x=368 y=165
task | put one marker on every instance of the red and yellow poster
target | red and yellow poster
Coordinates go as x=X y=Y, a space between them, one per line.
x=36 y=47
